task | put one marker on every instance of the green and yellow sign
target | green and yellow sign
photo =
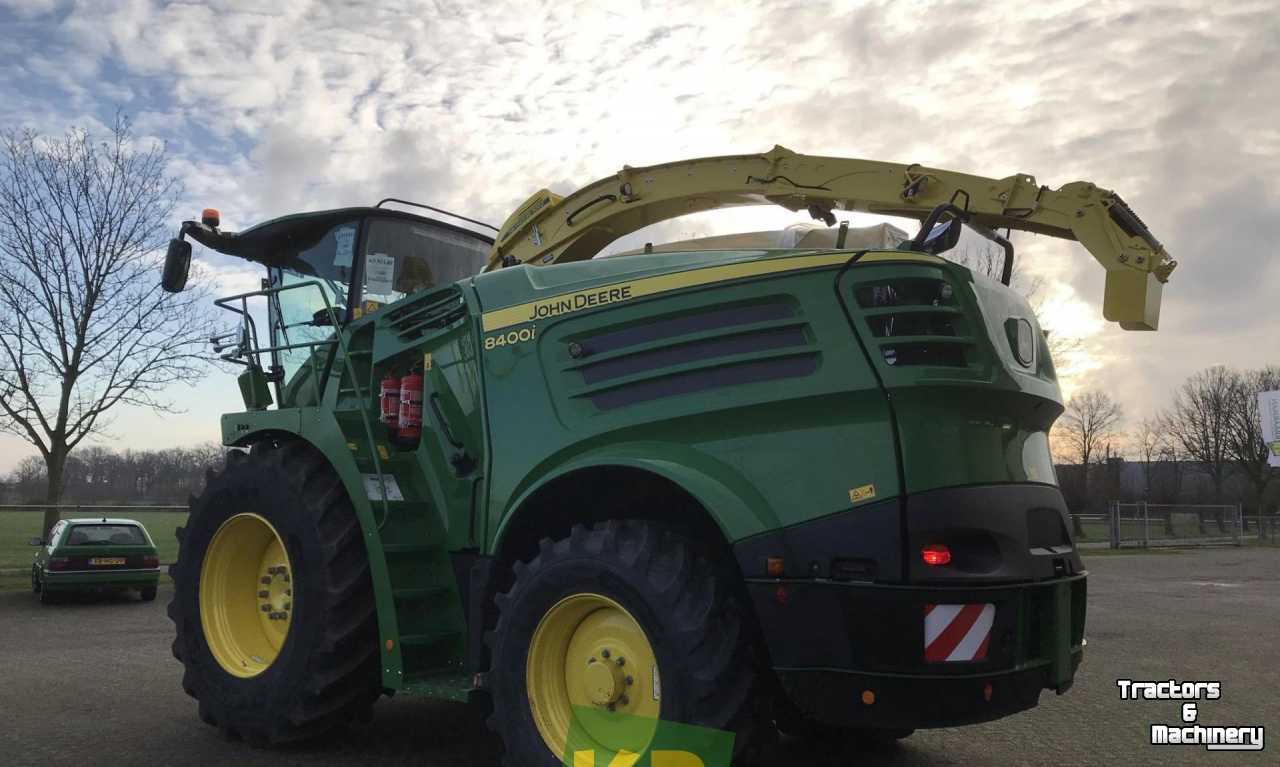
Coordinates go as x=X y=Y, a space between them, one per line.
x=636 y=741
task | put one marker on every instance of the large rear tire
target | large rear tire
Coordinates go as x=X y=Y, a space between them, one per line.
x=624 y=588
x=290 y=652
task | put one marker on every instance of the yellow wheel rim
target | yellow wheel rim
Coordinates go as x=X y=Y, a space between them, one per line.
x=246 y=595
x=589 y=652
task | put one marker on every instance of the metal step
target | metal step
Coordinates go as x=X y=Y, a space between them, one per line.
x=408 y=595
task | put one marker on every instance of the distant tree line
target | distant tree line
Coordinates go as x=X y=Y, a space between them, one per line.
x=1205 y=447
x=98 y=475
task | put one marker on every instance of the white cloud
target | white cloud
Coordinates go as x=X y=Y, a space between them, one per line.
x=278 y=107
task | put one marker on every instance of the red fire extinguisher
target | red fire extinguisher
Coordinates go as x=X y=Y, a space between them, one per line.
x=411 y=408
x=389 y=400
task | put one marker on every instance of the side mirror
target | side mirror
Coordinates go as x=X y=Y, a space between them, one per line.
x=177 y=263
x=321 y=319
x=36 y=542
x=943 y=237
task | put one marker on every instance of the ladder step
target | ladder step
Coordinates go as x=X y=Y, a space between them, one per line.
x=409 y=548
x=432 y=637
x=404 y=595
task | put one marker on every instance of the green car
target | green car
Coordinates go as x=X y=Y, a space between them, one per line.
x=95 y=555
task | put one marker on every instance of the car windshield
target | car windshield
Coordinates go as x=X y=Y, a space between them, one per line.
x=105 y=535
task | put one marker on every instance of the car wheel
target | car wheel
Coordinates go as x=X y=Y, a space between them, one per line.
x=148 y=593
x=586 y=627
x=273 y=601
x=35 y=581
x=46 y=597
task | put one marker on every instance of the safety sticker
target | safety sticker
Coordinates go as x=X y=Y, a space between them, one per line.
x=373 y=489
x=344 y=245
x=379 y=273
x=957 y=633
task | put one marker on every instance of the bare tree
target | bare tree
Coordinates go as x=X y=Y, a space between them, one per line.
x=1158 y=453
x=84 y=326
x=1087 y=428
x=1201 y=420
x=1147 y=438
x=1245 y=446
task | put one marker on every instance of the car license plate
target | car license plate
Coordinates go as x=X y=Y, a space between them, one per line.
x=106 y=561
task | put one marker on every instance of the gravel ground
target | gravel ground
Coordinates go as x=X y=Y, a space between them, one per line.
x=92 y=682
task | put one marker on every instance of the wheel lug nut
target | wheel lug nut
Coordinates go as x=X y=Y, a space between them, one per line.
x=621 y=661
x=624 y=700
x=630 y=681
x=605 y=652
x=266 y=608
x=265 y=580
x=264 y=594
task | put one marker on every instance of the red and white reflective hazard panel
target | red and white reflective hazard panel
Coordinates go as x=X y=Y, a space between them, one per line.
x=957 y=633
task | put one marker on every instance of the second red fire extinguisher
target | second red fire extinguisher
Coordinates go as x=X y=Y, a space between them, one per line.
x=410 y=422
x=389 y=401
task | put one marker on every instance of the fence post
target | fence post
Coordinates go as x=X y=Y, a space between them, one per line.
x=1239 y=524
x=1115 y=524
x=1146 y=526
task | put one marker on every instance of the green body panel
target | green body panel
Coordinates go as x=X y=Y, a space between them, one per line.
x=709 y=442
x=791 y=416
x=985 y=423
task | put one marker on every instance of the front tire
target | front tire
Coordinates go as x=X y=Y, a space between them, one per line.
x=629 y=587
x=148 y=593
x=290 y=652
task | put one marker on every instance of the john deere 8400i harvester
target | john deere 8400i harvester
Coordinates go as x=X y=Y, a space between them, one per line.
x=744 y=488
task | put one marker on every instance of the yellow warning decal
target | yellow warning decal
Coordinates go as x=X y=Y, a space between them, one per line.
x=866 y=492
x=567 y=303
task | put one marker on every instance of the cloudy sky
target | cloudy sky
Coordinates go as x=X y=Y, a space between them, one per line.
x=270 y=108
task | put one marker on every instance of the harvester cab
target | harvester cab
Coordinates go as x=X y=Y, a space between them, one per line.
x=746 y=482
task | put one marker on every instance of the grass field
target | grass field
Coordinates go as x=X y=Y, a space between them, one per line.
x=18 y=527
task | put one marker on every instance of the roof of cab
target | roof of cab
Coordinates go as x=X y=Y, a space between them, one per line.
x=103 y=521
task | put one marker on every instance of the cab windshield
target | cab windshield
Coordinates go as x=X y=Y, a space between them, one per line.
x=360 y=266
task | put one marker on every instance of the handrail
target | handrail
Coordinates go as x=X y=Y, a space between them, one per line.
x=341 y=341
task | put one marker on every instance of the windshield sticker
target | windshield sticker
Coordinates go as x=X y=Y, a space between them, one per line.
x=345 y=239
x=379 y=273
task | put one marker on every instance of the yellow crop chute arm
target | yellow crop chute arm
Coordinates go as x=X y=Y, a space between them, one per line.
x=548 y=228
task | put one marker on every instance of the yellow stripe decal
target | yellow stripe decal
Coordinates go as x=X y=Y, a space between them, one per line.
x=566 y=303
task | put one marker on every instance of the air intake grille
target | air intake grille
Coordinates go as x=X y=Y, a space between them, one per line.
x=434 y=310
x=916 y=322
x=691 y=352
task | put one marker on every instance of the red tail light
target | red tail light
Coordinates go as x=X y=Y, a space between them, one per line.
x=151 y=561
x=59 y=563
x=936 y=554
